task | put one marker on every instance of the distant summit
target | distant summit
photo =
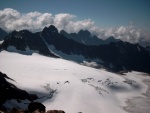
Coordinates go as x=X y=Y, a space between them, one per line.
x=111 y=39
x=50 y=29
x=85 y=37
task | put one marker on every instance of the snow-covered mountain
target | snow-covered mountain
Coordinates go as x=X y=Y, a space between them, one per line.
x=26 y=42
x=115 y=56
x=74 y=88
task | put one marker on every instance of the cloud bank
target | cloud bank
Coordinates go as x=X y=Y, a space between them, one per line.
x=11 y=19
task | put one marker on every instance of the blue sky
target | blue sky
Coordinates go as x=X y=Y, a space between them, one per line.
x=105 y=13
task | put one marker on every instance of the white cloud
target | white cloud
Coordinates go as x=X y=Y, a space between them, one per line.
x=11 y=19
x=129 y=33
x=109 y=32
x=61 y=21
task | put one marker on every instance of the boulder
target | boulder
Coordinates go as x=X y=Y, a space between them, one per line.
x=33 y=106
x=55 y=111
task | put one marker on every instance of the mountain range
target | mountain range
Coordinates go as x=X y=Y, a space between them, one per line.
x=85 y=37
x=112 y=54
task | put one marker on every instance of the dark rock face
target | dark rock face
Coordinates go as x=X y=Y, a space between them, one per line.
x=51 y=29
x=25 y=39
x=3 y=34
x=62 y=43
x=111 y=39
x=83 y=37
x=9 y=91
x=117 y=56
x=36 y=106
x=86 y=38
x=125 y=56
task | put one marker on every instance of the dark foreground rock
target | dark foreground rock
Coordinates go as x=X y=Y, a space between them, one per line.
x=36 y=106
x=9 y=91
x=55 y=111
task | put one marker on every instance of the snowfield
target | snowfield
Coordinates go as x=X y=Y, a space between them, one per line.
x=68 y=86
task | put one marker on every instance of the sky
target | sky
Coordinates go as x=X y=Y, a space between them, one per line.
x=128 y=20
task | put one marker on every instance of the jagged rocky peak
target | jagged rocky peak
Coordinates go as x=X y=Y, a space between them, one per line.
x=20 y=32
x=80 y=34
x=84 y=32
x=24 y=31
x=63 y=32
x=13 y=33
x=111 y=39
x=50 y=29
x=53 y=28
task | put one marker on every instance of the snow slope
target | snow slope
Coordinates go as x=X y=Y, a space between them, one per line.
x=76 y=88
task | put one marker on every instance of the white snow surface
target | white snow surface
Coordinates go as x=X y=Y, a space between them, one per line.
x=78 y=88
